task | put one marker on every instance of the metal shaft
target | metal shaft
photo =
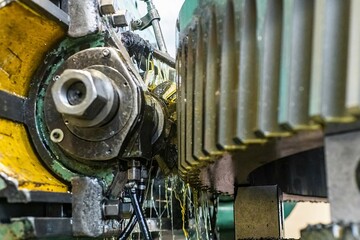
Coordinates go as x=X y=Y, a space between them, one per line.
x=156 y=27
x=164 y=57
x=158 y=35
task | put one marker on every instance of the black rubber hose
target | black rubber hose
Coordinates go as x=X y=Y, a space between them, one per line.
x=138 y=47
x=132 y=222
x=129 y=228
x=139 y=215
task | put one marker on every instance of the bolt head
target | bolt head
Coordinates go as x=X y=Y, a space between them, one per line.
x=138 y=22
x=91 y=95
x=111 y=209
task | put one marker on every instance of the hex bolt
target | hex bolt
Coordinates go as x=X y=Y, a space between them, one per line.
x=111 y=208
x=56 y=135
x=136 y=24
x=134 y=172
x=82 y=95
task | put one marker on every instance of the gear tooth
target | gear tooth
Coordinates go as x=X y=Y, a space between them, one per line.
x=228 y=82
x=199 y=82
x=259 y=74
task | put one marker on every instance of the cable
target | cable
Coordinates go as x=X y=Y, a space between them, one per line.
x=136 y=46
x=132 y=222
x=139 y=214
x=141 y=198
x=129 y=228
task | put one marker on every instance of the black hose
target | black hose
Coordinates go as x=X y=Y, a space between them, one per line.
x=129 y=228
x=132 y=222
x=138 y=47
x=139 y=215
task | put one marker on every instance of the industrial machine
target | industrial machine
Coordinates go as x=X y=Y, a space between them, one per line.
x=103 y=135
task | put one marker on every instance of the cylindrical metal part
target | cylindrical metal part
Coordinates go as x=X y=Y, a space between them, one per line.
x=86 y=98
x=164 y=57
x=156 y=27
x=134 y=173
x=159 y=35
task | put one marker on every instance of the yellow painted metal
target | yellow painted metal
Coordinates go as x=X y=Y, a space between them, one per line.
x=25 y=38
x=18 y=160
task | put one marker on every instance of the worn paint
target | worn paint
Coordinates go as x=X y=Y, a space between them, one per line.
x=22 y=52
x=18 y=160
x=22 y=48
x=14 y=230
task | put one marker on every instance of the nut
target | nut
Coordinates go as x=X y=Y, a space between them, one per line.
x=134 y=174
x=111 y=209
x=120 y=19
x=81 y=93
x=114 y=209
x=125 y=210
x=107 y=7
x=136 y=24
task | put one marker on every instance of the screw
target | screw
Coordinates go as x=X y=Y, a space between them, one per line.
x=56 y=77
x=138 y=23
x=106 y=52
x=57 y=135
